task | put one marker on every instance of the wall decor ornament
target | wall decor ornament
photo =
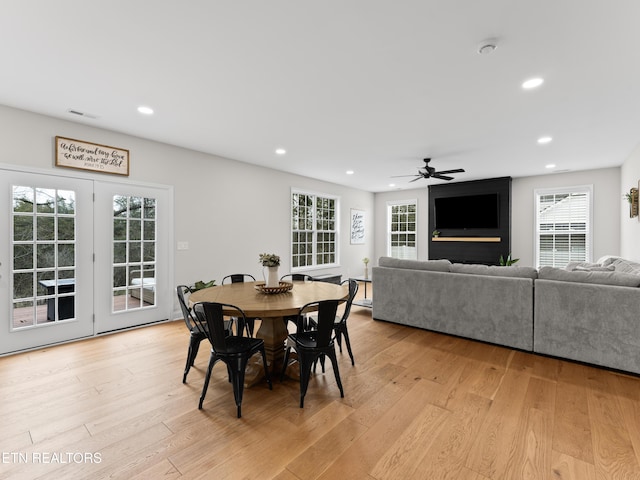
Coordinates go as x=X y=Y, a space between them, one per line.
x=632 y=198
x=94 y=157
x=357 y=226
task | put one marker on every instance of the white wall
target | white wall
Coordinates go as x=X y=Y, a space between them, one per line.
x=630 y=227
x=607 y=205
x=229 y=212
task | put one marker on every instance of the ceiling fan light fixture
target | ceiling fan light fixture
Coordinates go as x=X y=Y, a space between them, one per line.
x=544 y=140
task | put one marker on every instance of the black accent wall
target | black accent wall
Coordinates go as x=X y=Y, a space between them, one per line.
x=460 y=245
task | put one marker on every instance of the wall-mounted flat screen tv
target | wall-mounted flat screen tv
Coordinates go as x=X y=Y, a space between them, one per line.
x=467 y=212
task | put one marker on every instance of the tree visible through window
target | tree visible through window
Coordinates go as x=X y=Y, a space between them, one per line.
x=401 y=230
x=563 y=226
x=314 y=230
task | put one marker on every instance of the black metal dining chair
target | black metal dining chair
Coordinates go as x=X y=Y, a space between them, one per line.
x=196 y=336
x=297 y=277
x=310 y=345
x=234 y=350
x=294 y=277
x=240 y=278
x=340 y=322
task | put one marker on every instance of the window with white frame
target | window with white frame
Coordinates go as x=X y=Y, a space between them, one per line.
x=563 y=225
x=402 y=229
x=314 y=230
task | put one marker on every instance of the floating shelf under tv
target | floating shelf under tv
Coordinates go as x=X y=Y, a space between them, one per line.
x=467 y=239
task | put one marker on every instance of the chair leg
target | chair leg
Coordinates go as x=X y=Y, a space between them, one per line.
x=334 y=362
x=346 y=340
x=239 y=366
x=339 y=339
x=284 y=363
x=250 y=324
x=305 y=361
x=194 y=346
x=212 y=361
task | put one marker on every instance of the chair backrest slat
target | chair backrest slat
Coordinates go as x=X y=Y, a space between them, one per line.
x=211 y=314
x=297 y=277
x=186 y=312
x=353 y=290
x=326 y=316
x=239 y=278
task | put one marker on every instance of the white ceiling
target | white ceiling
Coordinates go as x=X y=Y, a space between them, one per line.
x=368 y=85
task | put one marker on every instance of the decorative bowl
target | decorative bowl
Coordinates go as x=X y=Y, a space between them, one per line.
x=282 y=288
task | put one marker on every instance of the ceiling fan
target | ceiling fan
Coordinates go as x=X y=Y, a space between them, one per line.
x=430 y=172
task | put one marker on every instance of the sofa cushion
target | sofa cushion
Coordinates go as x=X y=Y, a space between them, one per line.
x=433 y=265
x=604 y=278
x=495 y=271
x=622 y=265
x=595 y=268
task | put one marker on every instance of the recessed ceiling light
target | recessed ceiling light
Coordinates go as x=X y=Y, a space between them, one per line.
x=350 y=172
x=280 y=151
x=543 y=140
x=532 y=83
x=145 y=110
x=392 y=184
x=551 y=165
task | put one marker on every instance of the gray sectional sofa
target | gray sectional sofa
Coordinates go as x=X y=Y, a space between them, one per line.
x=587 y=312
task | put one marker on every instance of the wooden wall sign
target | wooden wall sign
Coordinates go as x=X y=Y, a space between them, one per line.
x=72 y=153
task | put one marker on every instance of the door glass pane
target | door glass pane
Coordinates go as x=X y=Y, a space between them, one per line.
x=66 y=228
x=45 y=200
x=43 y=268
x=46 y=230
x=66 y=202
x=134 y=253
x=22 y=228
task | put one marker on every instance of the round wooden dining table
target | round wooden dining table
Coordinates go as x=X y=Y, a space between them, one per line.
x=270 y=308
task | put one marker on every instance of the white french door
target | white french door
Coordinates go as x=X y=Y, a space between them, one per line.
x=46 y=260
x=80 y=257
x=133 y=264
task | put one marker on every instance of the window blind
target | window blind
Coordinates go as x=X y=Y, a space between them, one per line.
x=563 y=230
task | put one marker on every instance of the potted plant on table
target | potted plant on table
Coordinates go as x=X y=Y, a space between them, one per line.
x=272 y=262
x=199 y=285
x=365 y=260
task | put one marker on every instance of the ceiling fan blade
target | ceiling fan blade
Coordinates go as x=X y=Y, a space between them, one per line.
x=398 y=176
x=441 y=177
x=417 y=178
x=457 y=170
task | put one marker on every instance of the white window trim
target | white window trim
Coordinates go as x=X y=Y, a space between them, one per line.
x=309 y=268
x=555 y=190
x=394 y=203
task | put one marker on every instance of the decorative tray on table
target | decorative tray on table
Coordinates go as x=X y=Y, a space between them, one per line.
x=282 y=288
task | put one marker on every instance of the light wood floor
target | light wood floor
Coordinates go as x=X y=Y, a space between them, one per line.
x=417 y=405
